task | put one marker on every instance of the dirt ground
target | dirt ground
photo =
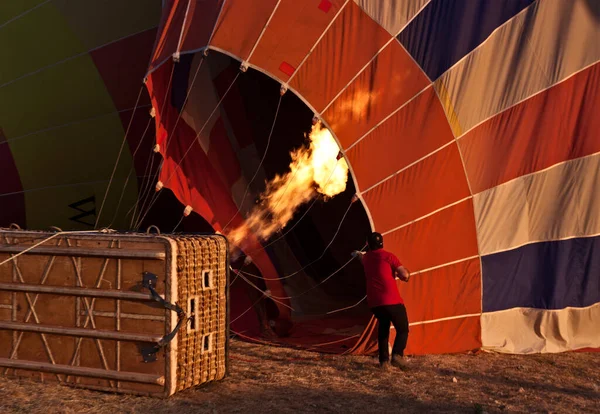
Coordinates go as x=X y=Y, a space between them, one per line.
x=282 y=380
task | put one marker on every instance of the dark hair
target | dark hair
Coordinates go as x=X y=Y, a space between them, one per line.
x=375 y=241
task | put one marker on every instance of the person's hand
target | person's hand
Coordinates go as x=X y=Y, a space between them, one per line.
x=356 y=253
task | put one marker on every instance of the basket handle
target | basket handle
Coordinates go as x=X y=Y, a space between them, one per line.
x=149 y=352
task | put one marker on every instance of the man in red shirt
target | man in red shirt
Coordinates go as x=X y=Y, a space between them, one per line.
x=381 y=269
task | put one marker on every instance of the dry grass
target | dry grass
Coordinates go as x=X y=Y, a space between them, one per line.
x=269 y=379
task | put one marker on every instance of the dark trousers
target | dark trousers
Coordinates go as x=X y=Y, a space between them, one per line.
x=395 y=314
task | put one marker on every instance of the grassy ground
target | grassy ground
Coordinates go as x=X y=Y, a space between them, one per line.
x=269 y=379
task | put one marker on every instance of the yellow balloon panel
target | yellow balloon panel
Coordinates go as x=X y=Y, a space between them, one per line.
x=10 y=10
x=69 y=92
x=99 y=22
x=34 y=41
x=56 y=168
x=75 y=207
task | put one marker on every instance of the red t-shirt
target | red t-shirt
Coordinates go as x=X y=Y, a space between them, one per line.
x=381 y=284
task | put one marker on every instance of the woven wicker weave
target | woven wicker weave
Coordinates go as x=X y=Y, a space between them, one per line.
x=195 y=363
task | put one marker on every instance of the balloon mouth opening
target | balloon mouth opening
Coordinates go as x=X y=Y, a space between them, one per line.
x=293 y=187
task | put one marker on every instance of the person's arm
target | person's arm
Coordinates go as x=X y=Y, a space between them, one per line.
x=402 y=273
x=359 y=254
x=398 y=269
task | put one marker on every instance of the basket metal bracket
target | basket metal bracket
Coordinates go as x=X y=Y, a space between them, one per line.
x=149 y=351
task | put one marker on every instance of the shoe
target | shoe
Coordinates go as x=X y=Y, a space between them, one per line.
x=385 y=365
x=400 y=363
x=267 y=333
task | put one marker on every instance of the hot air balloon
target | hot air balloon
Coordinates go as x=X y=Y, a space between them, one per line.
x=472 y=145
x=72 y=101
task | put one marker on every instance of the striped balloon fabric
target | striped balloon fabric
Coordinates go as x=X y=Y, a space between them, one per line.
x=470 y=133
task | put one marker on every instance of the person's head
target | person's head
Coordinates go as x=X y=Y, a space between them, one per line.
x=375 y=241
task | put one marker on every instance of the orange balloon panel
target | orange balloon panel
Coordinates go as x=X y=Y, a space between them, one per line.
x=339 y=56
x=449 y=336
x=455 y=335
x=292 y=32
x=456 y=289
x=433 y=183
x=199 y=24
x=416 y=130
x=241 y=24
x=170 y=30
x=390 y=80
x=441 y=238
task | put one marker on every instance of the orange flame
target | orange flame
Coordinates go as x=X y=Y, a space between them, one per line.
x=314 y=170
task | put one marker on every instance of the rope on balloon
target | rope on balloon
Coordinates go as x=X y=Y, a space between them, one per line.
x=17 y=17
x=118 y=156
x=149 y=191
x=148 y=186
x=178 y=165
x=324 y=250
x=145 y=191
x=295 y=224
x=312 y=262
x=53 y=187
x=266 y=293
x=246 y=311
x=46 y=239
x=301 y=217
x=274 y=298
x=178 y=223
x=123 y=146
x=347 y=307
x=131 y=170
x=259 y=165
x=313 y=287
x=187 y=95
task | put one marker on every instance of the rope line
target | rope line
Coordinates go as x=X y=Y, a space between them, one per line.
x=315 y=286
x=146 y=186
x=154 y=198
x=306 y=291
x=52 y=187
x=259 y=165
x=297 y=221
x=267 y=294
x=184 y=102
x=347 y=307
x=60 y=233
x=178 y=223
x=327 y=313
x=17 y=17
x=66 y=124
x=145 y=192
x=246 y=311
x=324 y=250
x=167 y=90
x=118 y=157
x=131 y=170
x=295 y=224
x=178 y=165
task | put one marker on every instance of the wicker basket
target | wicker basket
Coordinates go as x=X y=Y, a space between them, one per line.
x=131 y=313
